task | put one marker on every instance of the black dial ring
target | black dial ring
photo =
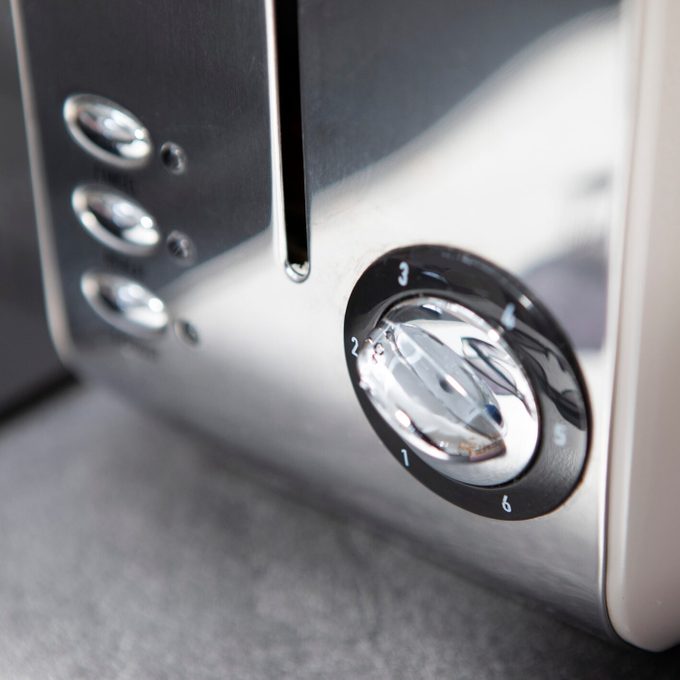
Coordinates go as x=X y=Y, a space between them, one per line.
x=537 y=342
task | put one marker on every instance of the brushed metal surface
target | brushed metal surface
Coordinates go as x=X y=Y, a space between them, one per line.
x=490 y=127
x=517 y=163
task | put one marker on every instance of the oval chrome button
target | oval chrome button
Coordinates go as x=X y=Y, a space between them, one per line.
x=125 y=304
x=115 y=220
x=448 y=384
x=107 y=131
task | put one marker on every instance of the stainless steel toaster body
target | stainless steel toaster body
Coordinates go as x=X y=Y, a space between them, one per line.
x=524 y=134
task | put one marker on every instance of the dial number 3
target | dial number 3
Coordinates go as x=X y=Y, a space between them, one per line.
x=403 y=273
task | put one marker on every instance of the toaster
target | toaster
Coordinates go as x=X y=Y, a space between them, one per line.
x=421 y=257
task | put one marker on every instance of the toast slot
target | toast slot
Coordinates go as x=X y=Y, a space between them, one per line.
x=287 y=134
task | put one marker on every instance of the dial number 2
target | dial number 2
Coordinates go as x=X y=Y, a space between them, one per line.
x=355 y=346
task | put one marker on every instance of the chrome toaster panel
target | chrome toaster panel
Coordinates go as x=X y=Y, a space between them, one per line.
x=496 y=129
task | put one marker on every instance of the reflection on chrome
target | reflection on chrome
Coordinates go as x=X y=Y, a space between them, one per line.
x=125 y=304
x=448 y=384
x=115 y=220
x=107 y=131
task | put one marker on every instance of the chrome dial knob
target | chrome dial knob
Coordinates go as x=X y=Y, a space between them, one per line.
x=449 y=385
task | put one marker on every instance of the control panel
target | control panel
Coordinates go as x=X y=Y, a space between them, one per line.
x=112 y=135
x=146 y=179
x=468 y=381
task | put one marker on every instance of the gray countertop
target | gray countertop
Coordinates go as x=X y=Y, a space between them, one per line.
x=133 y=550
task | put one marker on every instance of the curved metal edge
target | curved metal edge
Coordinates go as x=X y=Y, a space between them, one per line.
x=643 y=559
x=54 y=296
